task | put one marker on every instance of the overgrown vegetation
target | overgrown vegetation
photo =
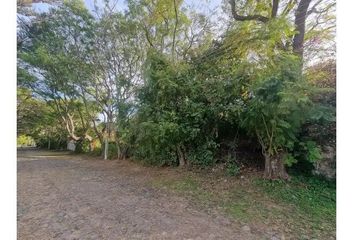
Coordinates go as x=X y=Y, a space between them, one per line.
x=161 y=84
x=167 y=84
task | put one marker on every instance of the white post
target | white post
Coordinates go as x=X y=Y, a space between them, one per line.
x=106 y=148
x=106 y=141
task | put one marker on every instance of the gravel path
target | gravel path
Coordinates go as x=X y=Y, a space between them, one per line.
x=66 y=197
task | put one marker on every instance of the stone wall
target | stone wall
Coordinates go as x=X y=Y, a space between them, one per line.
x=327 y=166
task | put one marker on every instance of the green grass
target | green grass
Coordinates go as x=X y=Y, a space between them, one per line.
x=304 y=206
x=309 y=195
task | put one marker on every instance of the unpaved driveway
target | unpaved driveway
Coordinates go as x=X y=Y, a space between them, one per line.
x=66 y=197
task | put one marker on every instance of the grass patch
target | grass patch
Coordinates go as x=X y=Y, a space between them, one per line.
x=310 y=195
x=303 y=207
x=312 y=200
x=239 y=211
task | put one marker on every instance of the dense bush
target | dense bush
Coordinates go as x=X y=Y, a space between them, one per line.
x=83 y=146
x=52 y=143
x=112 y=150
x=180 y=113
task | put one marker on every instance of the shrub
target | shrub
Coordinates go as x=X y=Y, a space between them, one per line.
x=112 y=150
x=232 y=169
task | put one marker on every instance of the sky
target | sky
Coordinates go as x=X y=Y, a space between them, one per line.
x=210 y=8
x=121 y=5
x=199 y=5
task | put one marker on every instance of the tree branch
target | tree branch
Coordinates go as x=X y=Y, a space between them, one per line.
x=237 y=17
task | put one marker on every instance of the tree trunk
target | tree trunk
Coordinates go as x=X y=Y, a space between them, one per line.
x=300 y=21
x=91 y=147
x=49 y=144
x=120 y=149
x=125 y=152
x=274 y=167
x=174 y=32
x=107 y=136
x=182 y=161
x=119 y=154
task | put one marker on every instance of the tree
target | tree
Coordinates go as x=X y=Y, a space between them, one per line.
x=36 y=120
x=116 y=59
x=169 y=27
x=24 y=7
x=264 y=13
x=275 y=111
x=29 y=112
x=51 y=56
x=151 y=83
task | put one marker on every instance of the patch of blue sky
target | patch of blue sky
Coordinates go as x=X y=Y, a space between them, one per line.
x=203 y=6
x=41 y=7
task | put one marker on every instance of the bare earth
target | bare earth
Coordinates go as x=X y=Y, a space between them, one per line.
x=62 y=196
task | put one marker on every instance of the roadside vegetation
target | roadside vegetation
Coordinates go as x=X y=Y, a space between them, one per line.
x=167 y=84
x=303 y=208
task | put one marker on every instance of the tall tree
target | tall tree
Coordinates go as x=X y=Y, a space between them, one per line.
x=52 y=57
x=296 y=11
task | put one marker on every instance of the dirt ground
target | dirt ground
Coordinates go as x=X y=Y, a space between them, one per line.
x=62 y=196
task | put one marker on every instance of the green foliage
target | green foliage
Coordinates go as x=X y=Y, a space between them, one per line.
x=289 y=160
x=24 y=141
x=232 y=169
x=54 y=142
x=202 y=153
x=112 y=150
x=279 y=106
x=179 y=108
x=97 y=148
x=82 y=146
x=160 y=128
x=308 y=151
x=152 y=143
x=163 y=89
x=313 y=151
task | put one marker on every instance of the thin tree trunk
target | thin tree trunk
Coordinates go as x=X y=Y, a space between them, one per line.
x=182 y=161
x=107 y=137
x=174 y=32
x=119 y=152
x=106 y=148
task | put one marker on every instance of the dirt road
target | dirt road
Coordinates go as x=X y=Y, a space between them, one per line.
x=62 y=196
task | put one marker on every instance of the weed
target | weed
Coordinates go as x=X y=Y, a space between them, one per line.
x=232 y=169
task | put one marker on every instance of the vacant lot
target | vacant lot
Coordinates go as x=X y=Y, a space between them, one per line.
x=62 y=196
